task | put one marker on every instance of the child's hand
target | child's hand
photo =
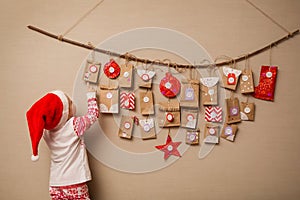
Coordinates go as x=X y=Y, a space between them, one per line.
x=91 y=88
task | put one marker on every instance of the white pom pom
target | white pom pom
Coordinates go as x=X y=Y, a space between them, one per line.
x=35 y=158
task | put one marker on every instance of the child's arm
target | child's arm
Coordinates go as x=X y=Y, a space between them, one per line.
x=81 y=124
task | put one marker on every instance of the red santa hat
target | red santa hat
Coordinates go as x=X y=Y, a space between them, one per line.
x=50 y=113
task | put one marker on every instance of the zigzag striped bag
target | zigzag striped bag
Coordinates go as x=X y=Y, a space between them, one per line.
x=127 y=100
x=213 y=114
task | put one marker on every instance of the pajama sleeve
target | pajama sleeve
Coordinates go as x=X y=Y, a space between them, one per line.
x=81 y=124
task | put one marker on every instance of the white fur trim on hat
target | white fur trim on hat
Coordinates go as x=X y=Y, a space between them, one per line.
x=35 y=158
x=65 y=102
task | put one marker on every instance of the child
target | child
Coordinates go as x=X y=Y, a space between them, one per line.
x=53 y=118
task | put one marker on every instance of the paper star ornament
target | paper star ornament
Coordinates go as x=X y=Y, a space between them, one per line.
x=170 y=148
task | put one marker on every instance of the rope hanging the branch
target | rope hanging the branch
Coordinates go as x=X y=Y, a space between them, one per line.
x=79 y=20
x=130 y=57
x=269 y=17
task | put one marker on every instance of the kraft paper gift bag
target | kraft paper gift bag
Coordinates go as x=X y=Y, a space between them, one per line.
x=189 y=95
x=169 y=114
x=192 y=137
x=145 y=77
x=126 y=75
x=146 y=102
x=233 y=110
x=247 y=111
x=91 y=72
x=211 y=134
x=246 y=82
x=189 y=118
x=230 y=77
x=127 y=100
x=209 y=90
x=126 y=126
x=109 y=100
x=229 y=132
x=147 y=128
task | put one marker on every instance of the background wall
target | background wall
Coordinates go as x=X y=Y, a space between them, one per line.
x=264 y=161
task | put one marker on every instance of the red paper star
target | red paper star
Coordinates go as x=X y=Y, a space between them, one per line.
x=170 y=148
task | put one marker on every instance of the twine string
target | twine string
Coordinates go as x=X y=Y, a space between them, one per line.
x=162 y=63
x=270 y=56
x=270 y=18
x=60 y=37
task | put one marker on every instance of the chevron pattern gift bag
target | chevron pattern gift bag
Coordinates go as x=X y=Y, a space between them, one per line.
x=213 y=114
x=127 y=100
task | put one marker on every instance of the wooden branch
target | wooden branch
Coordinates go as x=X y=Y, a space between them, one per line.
x=130 y=57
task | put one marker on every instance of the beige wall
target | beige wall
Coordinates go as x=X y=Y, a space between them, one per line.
x=264 y=161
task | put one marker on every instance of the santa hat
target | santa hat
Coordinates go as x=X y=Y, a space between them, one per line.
x=50 y=113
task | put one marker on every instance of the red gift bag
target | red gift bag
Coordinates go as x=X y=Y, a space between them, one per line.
x=267 y=81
